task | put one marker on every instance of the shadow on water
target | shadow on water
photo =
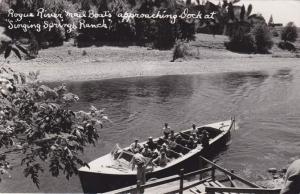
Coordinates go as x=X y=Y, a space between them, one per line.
x=284 y=74
x=123 y=90
x=233 y=81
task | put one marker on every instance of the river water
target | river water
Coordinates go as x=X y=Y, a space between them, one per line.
x=265 y=104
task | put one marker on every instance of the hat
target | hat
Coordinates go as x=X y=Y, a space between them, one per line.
x=136 y=139
x=150 y=137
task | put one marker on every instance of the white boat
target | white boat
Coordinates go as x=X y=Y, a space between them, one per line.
x=109 y=172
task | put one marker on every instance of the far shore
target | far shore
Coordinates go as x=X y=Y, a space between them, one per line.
x=69 y=63
x=97 y=71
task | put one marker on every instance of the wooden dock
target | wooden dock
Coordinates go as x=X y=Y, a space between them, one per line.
x=207 y=183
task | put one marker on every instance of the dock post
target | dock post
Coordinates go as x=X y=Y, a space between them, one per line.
x=231 y=182
x=200 y=167
x=138 y=187
x=181 y=181
x=213 y=172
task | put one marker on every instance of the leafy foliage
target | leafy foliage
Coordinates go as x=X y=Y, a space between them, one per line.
x=248 y=33
x=263 y=38
x=161 y=33
x=289 y=32
x=241 y=42
x=38 y=123
x=285 y=45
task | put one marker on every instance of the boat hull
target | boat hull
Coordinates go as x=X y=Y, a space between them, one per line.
x=100 y=182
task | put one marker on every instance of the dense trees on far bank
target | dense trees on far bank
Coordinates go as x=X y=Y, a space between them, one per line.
x=289 y=34
x=160 y=33
x=247 y=32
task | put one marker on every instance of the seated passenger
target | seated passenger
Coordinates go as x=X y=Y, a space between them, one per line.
x=169 y=152
x=199 y=132
x=191 y=144
x=205 y=139
x=172 y=144
x=160 y=142
x=135 y=147
x=146 y=152
x=172 y=135
x=195 y=138
x=151 y=144
x=179 y=140
x=161 y=160
x=155 y=153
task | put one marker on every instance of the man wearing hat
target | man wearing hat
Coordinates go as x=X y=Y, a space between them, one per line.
x=135 y=147
x=146 y=152
x=152 y=146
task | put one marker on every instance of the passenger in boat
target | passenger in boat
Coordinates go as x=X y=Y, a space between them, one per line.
x=161 y=160
x=172 y=135
x=205 y=139
x=146 y=152
x=191 y=144
x=166 y=131
x=135 y=147
x=199 y=132
x=176 y=148
x=160 y=142
x=151 y=144
x=172 y=144
x=180 y=145
x=196 y=139
x=180 y=140
x=155 y=154
x=292 y=179
x=169 y=151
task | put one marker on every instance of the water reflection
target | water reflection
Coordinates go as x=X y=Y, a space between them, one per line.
x=284 y=74
x=231 y=82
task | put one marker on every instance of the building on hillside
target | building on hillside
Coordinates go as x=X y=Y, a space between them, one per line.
x=272 y=24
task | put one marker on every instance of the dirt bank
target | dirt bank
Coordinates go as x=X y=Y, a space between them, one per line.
x=68 y=63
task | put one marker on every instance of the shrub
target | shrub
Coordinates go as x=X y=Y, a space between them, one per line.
x=263 y=38
x=180 y=50
x=258 y=40
x=244 y=43
x=287 y=46
x=289 y=32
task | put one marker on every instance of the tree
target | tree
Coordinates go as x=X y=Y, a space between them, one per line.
x=263 y=38
x=289 y=32
x=38 y=123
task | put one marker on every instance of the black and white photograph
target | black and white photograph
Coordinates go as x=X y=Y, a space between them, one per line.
x=150 y=96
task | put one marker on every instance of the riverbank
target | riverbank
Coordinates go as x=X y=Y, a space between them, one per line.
x=69 y=63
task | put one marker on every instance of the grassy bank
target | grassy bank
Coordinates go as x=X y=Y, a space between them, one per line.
x=69 y=63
